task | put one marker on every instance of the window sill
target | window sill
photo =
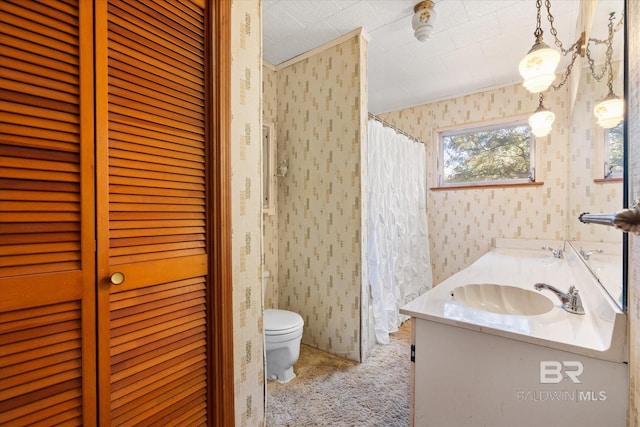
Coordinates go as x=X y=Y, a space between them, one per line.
x=482 y=186
x=607 y=180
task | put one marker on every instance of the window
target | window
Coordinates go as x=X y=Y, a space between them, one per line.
x=496 y=154
x=614 y=150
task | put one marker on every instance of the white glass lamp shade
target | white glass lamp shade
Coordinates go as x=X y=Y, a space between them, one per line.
x=609 y=111
x=538 y=67
x=423 y=20
x=541 y=122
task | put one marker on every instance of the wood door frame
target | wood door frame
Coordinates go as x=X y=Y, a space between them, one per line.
x=220 y=301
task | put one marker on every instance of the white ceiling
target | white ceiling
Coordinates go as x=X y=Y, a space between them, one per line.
x=476 y=45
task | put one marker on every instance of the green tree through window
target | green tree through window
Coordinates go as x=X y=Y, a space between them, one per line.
x=615 y=151
x=493 y=154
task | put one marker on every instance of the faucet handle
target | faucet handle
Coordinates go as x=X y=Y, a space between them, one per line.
x=557 y=253
x=575 y=302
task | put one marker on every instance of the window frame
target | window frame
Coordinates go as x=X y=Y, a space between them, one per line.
x=467 y=128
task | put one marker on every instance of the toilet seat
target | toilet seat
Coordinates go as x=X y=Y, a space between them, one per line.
x=281 y=322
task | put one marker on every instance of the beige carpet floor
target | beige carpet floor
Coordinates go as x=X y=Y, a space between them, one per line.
x=331 y=391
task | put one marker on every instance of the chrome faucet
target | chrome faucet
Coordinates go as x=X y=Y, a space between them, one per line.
x=557 y=253
x=585 y=255
x=571 y=301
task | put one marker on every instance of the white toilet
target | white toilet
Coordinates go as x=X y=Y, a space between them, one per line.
x=282 y=335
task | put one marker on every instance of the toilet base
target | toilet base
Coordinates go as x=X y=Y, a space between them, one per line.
x=283 y=376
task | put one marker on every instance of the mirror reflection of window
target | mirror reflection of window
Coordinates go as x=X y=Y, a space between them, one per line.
x=614 y=152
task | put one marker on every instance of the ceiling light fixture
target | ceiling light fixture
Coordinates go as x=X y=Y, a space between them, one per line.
x=423 y=19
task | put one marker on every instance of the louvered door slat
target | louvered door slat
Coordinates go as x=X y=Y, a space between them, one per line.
x=144 y=31
x=46 y=14
x=180 y=65
x=36 y=111
x=120 y=162
x=61 y=33
x=166 y=406
x=141 y=400
x=156 y=200
x=157 y=232
x=147 y=89
x=154 y=16
x=47 y=303
x=153 y=151
x=32 y=75
x=64 y=400
x=38 y=53
x=175 y=141
x=132 y=228
x=54 y=106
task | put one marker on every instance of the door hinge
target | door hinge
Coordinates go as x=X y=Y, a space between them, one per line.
x=413 y=353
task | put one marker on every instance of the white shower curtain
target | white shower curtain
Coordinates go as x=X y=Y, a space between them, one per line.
x=398 y=251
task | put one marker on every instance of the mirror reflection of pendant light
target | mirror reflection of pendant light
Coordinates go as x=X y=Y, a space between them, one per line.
x=609 y=111
x=423 y=19
x=541 y=120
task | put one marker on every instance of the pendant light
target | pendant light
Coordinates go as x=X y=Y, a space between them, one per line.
x=538 y=67
x=541 y=120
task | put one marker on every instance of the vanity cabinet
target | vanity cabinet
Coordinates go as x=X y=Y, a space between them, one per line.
x=471 y=378
x=481 y=362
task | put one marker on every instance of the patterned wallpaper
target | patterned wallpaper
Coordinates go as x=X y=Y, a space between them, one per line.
x=246 y=211
x=463 y=223
x=270 y=222
x=320 y=112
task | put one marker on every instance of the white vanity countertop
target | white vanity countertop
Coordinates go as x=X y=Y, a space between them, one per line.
x=599 y=333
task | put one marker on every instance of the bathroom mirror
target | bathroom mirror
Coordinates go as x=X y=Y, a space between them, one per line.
x=600 y=187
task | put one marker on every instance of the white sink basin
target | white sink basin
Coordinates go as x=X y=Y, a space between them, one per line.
x=502 y=299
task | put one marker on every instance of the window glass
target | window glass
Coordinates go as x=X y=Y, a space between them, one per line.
x=497 y=154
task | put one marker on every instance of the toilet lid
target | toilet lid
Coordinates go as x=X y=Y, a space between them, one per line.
x=278 y=322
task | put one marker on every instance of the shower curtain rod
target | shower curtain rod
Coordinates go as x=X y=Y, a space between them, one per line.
x=389 y=125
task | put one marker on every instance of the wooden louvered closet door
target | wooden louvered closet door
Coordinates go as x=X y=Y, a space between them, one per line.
x=102 y=171
x=47 y=258
x=151 y=201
